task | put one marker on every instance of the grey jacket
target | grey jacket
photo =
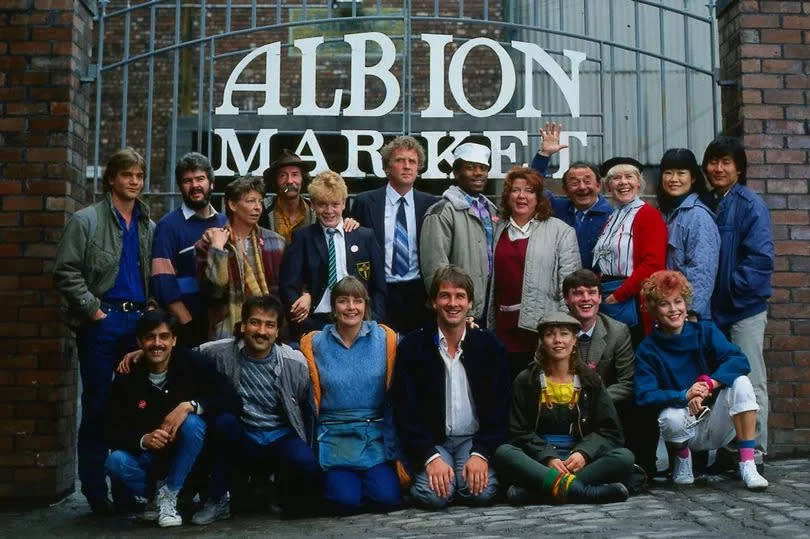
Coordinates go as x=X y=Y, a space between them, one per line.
x=88 y=256
x=296 y=391
x=551 y=255
x=611 y=353
x=452 y=233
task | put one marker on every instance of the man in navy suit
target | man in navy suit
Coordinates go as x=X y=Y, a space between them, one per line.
x=395 y=213
x=323 y=253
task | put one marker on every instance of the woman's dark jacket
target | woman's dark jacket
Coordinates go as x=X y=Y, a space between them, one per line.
x=597 y=430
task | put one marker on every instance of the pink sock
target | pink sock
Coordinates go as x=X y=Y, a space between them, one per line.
x=746 y=454
x=684 y=452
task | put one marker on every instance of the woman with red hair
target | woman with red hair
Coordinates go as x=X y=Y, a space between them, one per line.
x=533 y=253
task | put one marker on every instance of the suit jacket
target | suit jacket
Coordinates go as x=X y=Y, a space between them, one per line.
x=369 y=211
x=611 y=354
x=305 y=266
x=419 y=392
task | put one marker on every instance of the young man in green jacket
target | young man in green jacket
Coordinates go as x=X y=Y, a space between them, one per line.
x=102 y=269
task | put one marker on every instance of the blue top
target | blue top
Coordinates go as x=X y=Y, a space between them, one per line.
x=693 y=248
x=667 y=365
x=593 y=222
x=746 y=261
x=173 y=242
x=128 y=283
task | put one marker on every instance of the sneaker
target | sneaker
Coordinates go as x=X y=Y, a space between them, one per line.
x=167 y=508
x=213 y=511
x=751 y=477
x=682 y=473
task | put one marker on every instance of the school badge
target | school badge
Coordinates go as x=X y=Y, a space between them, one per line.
x=364 y=270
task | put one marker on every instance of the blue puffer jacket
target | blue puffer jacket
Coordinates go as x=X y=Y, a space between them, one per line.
x=564 y=209
x=743 y=283
x=693 y=248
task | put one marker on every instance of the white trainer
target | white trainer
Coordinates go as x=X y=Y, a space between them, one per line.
x=213 y=511
x=751 y=477
x=167 y=508
x=682 y=473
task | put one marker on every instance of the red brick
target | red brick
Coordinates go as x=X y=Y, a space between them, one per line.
x=47 y=187
x=35 y=410
x=37 y=442
x=44 y=219
x=797 y=81
x=790 y=311
x=752 y=96
x=52 y=34
x=785 y=126
x=781 y=36
x=14 y=93
x=765 y=112
x=40 y=250
x=765 y=171
x=46 y=154
x=21 y=265
x=35 y=47
x=15 y=33
x=789 y=217
x=783 y=96
x=801 y=295
x=796 y=51
x=49 y=124
x=801 y=248
x=796 y=112
x=12 y=124
x=759 y=21
x=26 y=109
x=795 y=21
x=39 y=282
x=16 y=426
x=762 y=81
x=801 y=172
x=48 y=346
x=41 y=376
x=11 y=203
x=764 y=141
x=782 y=66
x=786 y=156
x=9 y=250
x=50 y=94
x=786 y=186
x=760 y=51
x=770 y=6
x=32 y=78
x=60 y=109
x=750 y=65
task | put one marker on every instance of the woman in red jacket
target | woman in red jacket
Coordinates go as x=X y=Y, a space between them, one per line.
x=632 y=246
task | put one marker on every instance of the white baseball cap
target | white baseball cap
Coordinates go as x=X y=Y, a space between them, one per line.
x=472 y=152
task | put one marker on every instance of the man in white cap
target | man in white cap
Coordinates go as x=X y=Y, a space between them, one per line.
x=459 y=228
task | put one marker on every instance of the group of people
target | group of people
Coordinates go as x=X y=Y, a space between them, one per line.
x=438 y=348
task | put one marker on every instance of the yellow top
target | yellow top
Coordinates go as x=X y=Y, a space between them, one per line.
x=559 y=393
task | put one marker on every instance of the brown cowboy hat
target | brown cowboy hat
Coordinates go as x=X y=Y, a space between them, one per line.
x=287 y=158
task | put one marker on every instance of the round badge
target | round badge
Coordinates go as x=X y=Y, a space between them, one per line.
x=354 y=248
x=142 y=404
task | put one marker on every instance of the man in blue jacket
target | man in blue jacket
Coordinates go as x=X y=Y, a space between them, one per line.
x=451 y=399
x=743 y=284
x=583 y=207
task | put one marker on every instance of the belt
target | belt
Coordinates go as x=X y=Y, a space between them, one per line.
x=125 y=306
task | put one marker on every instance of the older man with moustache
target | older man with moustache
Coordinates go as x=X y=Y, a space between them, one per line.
x=285 y=209
x=583 y=207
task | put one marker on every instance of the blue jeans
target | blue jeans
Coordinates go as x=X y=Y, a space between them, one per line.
x=351 y=491
x=135 y=470
x=100 y=346
x=298 y=474
x=455 y=452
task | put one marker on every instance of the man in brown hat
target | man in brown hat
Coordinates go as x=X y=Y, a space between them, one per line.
x=285 y=209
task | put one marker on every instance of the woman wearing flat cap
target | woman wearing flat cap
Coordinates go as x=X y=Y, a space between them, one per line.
x=564 y=442
x=631 y=247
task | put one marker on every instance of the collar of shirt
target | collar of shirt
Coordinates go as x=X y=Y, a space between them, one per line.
x=443 y=343
x=365 y=329
x=517 y=232
x=338 y=228
x=136 y=213
x=393 y=197
x=589 y=332
x=188 y=213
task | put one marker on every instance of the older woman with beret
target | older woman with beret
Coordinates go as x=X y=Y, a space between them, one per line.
x=533 y=253
x=632 y=246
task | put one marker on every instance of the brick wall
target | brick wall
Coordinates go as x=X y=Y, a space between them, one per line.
x=765 y=51
x=43 y=145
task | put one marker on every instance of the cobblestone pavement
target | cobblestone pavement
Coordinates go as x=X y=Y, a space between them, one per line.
x=720 y=505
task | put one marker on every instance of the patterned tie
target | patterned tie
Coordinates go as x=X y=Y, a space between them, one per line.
x=332 y=259
x=401 y=263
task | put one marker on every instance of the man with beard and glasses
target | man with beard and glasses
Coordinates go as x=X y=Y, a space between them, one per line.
x=153 y=416
x=174 y=280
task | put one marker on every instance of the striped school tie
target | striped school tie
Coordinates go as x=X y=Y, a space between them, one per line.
x=332 y=259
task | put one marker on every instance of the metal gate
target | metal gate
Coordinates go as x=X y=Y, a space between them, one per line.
x=648 y=81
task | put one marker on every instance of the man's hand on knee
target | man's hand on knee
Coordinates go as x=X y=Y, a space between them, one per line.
x=476 y=474
x=440 y=475
x=174 y=420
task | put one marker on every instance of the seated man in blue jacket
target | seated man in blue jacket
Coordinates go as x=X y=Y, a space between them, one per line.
x=451 y=399
x=700 y=377
x=153 y=421
x=323 y=253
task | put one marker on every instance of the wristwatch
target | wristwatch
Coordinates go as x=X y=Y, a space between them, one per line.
x=194 y=404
